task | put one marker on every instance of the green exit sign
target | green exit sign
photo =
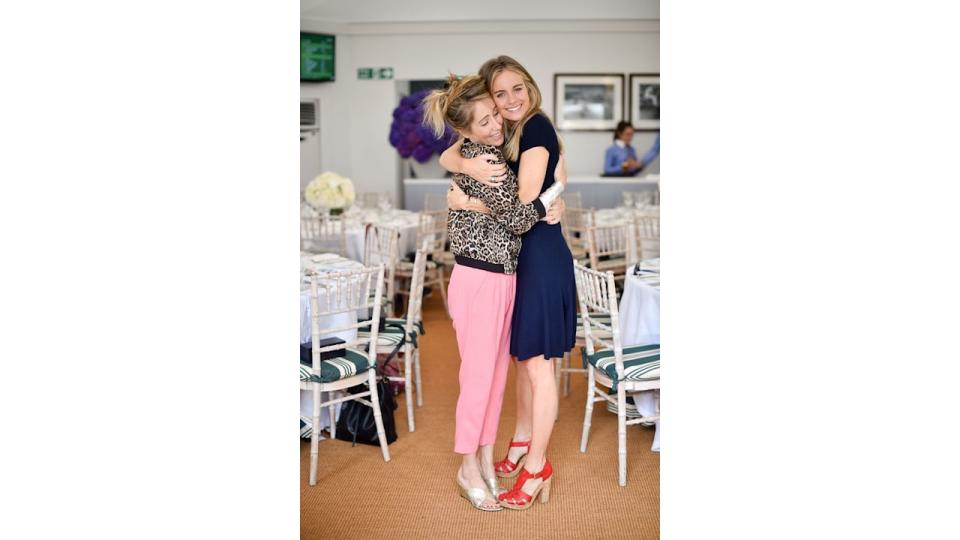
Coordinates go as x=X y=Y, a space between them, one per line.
x=375 y=73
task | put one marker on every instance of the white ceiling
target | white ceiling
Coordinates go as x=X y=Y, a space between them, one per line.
x=370 y=11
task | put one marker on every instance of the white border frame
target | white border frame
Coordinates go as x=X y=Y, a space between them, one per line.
x=561 y=80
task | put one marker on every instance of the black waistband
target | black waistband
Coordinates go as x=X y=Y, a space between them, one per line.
x=480 y=265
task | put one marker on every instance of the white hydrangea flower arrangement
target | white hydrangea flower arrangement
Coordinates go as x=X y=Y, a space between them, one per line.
x=330 y=191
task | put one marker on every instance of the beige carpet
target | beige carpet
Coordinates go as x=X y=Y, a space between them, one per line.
x=415 y=496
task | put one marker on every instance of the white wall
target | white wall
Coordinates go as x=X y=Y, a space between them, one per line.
x=356 y=114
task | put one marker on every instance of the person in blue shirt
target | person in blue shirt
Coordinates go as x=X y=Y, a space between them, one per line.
x=621 y=158
x=651 y=154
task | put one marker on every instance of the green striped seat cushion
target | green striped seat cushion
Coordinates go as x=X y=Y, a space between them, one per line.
x=306 y=427
x=596 y=330
x=352 y=363
x=388 y=338
x=640 y=362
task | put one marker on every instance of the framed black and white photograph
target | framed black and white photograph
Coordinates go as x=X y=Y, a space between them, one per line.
x=645 y=101
x=588 y=102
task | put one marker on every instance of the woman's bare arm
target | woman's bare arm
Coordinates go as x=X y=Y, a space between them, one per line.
x=533 y=167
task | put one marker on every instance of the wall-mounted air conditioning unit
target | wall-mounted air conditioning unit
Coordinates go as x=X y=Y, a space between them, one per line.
x=309 y=114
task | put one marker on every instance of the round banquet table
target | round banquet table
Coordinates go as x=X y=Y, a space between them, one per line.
x=640 y=325
x=356 y=219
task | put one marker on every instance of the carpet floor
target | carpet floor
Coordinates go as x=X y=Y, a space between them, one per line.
x=415 y=495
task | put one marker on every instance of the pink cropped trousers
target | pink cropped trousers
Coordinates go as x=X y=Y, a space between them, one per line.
x=481 y=305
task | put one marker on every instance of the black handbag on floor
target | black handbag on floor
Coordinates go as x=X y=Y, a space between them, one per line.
x=356 y=422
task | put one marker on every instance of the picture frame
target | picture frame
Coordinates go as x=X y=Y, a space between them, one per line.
x=588 y=101
x=645 y=101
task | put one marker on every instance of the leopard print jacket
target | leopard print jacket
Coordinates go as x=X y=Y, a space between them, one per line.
x=490 y=241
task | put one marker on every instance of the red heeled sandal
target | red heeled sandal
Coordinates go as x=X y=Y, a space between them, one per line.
x=517 y=499
x=508 y=469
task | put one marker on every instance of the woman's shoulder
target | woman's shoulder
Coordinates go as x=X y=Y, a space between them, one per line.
x=471 y=149
x=539 y=122
x=538 y=131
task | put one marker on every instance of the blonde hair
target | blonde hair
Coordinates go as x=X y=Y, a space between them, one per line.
x=454 y=104
x=514 y=130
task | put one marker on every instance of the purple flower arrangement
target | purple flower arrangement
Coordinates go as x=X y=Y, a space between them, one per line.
x=408 y=134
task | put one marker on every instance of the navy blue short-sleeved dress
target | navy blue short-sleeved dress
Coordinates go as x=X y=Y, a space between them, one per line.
x=544 y=313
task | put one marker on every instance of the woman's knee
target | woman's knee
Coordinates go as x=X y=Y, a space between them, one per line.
x=539 y=370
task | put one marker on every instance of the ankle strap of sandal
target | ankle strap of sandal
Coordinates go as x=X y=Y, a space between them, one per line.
x=519 y=444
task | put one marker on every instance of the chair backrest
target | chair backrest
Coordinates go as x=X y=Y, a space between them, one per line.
x=433 y=231
x=647 y=229
x=434 y=201
x=576 y=221
x=414 y=313
x=344 y=292
x=323 y=234
x=608 y=241
x=597 y=294
x=381 y=246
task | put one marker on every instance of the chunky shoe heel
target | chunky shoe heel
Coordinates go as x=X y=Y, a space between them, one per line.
x=545 y=497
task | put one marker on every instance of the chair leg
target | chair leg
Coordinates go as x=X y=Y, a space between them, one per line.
x=333 y=421
x=443 y=289
x=416 y=373
x=622 y=435
x=566 y=374
x=408 y=386
x=589 y=411
x=315 y=435
x=377 y=418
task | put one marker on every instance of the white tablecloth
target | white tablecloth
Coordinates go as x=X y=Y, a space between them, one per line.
x=326 y=262
x=640 y=325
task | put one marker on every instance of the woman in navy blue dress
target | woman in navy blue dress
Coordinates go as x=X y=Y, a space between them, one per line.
x=544 y=315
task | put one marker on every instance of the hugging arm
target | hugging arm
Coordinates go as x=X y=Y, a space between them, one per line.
x=479 y=168
x=499 y=202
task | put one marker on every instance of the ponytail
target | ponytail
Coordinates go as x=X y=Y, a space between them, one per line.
x=452 y=104
x=434 y=110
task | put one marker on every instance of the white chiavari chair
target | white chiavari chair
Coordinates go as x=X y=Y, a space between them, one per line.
x=575 y=222
x=610 y=364
x=607 y=249
x=647 y=231
x=381 y=246
x=432 y=230
x=410 y=327
x=323 y=234
x=331 y=295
